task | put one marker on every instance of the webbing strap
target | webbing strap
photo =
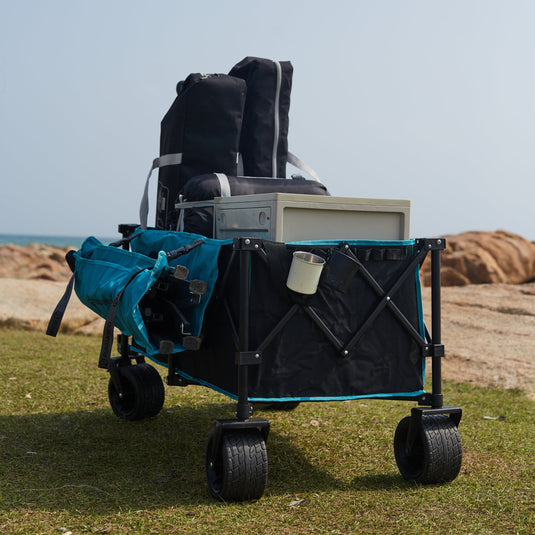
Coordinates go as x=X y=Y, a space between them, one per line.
x=239 y=171
x=276 y=120
x=59 y=311
x=107 y=335
x=162 y=161
x=300 y=164
x=224 y=184
x=167 y=159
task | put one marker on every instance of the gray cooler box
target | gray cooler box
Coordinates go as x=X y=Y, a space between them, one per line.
x=286 y=217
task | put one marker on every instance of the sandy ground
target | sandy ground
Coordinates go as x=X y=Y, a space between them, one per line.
x=489 y=334
x=488 y=330
x=30 y=303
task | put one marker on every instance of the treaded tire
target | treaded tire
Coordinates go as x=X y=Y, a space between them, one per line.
x=239 y=469
x=143 y=392
x=436 y=455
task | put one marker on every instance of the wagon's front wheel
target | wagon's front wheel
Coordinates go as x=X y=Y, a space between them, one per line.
x=435 y=455
x=237 y=470
x=142 y=395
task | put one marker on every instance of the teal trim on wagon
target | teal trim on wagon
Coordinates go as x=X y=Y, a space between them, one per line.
x=354 y=242
x=340 y=398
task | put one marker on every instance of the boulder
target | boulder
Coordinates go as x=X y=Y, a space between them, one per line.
x=34 y=261
x=28 y=304
x=478 y=257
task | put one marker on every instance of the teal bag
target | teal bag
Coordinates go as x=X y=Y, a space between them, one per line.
x=202 y=262
x=110 y=279
x=103 y=272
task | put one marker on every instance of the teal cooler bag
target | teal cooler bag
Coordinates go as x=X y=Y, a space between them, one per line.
x=103 y=272
x=202 y=261
x=112 y=280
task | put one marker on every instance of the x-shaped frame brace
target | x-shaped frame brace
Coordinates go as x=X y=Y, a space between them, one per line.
x=385 y=301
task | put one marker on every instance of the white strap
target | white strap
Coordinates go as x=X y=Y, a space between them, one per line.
x=297 y=162
x=167 y=159
x=276 y=121
x=162 y=161
x=239 y=171
x=224 y=183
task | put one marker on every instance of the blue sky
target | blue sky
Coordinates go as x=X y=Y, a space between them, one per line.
x=426 y=100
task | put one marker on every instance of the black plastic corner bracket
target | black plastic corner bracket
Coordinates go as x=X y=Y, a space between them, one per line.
x=248 y=358
x=247 y=244
x=455 y=413
x=431 y=244
x=417 y=413
x=433 y=350
x=230 y=426
x=263 y=425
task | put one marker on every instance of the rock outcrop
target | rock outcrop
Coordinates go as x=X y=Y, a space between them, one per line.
x=485 y=257
x=32 y=280
x=34 y=261
x=473 y=257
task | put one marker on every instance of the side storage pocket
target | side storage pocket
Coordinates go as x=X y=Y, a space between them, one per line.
x=102 y=272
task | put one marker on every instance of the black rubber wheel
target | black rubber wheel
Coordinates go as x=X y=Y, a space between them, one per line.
x=238 y=470
x=436 y=455
x=143 y=392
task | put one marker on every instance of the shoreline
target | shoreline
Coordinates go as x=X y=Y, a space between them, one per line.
x=74 y=242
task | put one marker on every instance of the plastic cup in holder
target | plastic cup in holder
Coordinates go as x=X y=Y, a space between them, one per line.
x=305 y=272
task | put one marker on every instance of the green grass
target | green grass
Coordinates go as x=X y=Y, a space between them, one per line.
x=68 y=464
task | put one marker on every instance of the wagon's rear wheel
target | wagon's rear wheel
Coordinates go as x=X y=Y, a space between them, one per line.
x=143 y=392
x=436 y=453
x=238 y=469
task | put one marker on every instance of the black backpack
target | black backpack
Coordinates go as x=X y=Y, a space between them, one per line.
x=199 y=134
x=235 y=124
x=264 y=136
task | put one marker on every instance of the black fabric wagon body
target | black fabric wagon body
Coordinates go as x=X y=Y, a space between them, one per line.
x=297 y=359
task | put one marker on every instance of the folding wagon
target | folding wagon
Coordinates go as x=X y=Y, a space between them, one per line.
x=309 y=298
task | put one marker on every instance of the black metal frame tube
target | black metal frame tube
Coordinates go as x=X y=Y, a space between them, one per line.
x=243 y=410
x=286 y=318
x=436 y=362
x=386 y=300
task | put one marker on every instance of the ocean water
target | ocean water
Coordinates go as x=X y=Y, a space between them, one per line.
x=57 y=241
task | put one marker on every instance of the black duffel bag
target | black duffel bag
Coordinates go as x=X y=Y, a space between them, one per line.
x=199 y=220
